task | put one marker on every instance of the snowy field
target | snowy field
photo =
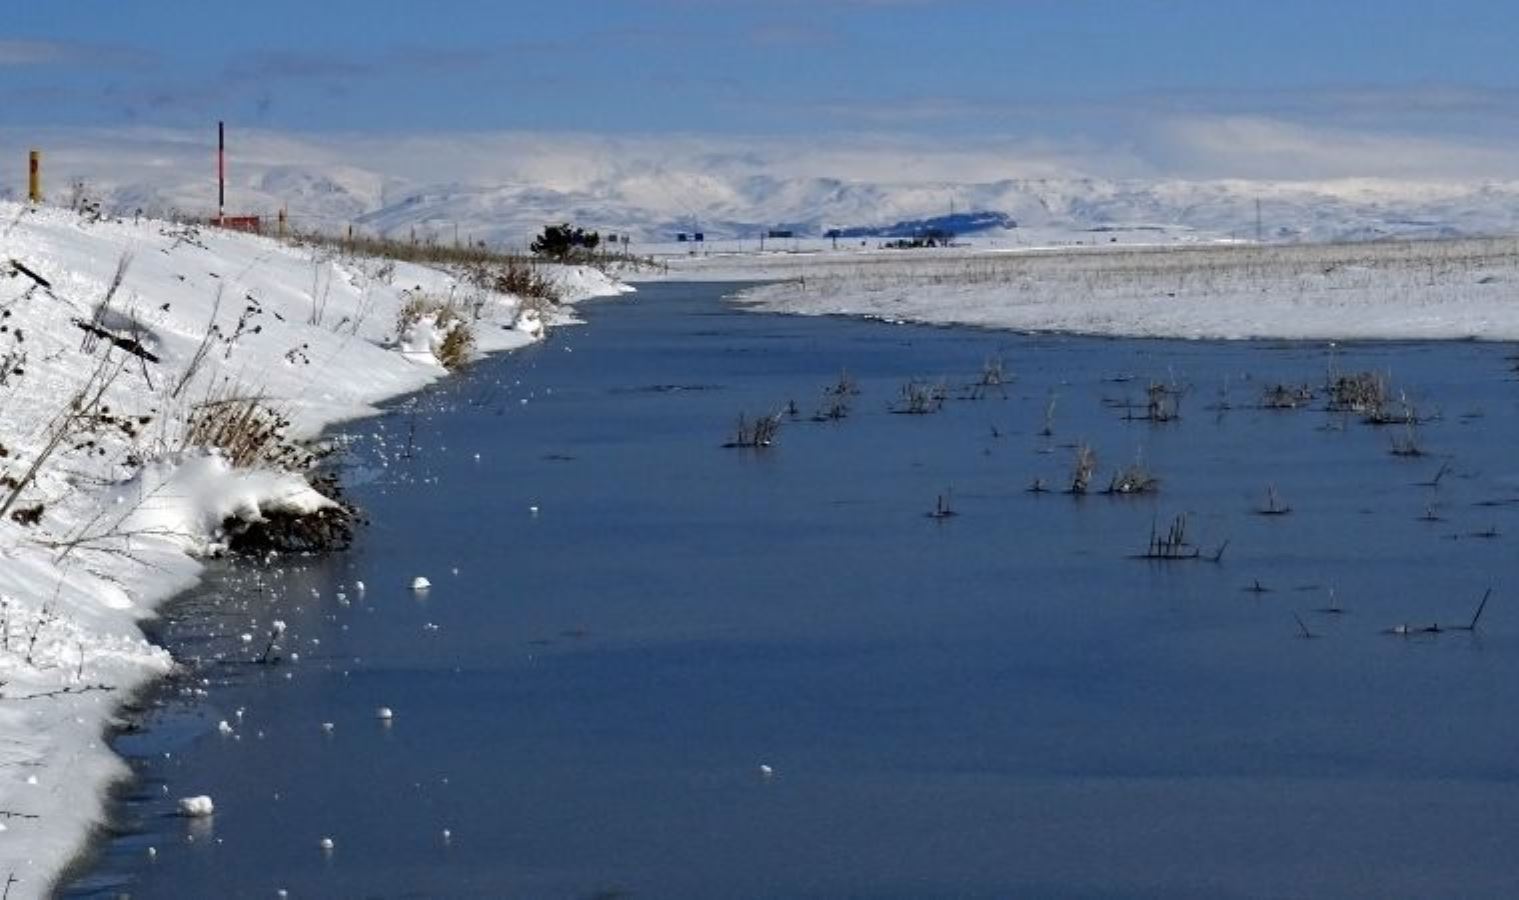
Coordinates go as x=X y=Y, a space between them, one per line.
x=1449 y=289
x=1021 y=239
x=116 y=338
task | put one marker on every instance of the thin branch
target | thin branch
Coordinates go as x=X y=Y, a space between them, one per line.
x=77 y=689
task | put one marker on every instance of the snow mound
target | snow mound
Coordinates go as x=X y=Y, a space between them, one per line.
x=196 y=807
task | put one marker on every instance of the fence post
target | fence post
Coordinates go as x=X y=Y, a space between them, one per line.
x=34 y=177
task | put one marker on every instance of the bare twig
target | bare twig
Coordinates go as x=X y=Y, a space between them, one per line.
x=59 y=692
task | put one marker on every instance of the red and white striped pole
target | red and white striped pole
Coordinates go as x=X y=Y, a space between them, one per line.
x=221 y=171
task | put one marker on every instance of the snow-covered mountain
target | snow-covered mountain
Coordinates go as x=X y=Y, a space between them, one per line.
x=506 y=194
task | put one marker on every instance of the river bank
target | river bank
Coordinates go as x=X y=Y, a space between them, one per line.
x=117 y=337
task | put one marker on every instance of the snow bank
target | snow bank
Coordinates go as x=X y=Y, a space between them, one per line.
x=1384 y=290
x=579 y=283
x=116 y=500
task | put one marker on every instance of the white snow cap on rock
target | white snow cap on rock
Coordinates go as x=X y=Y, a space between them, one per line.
x=420 y=583
x=529 y=323
x=185 y=497
x=197 y=807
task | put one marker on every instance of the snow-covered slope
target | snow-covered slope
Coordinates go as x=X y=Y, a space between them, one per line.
x=108 y=498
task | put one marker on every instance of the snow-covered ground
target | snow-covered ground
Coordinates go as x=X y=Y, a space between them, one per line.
x=1447 y=289
x=106 y=499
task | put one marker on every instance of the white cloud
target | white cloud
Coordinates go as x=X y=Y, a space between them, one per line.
x=21 y=52
x=1254 y=147
x=34 y=53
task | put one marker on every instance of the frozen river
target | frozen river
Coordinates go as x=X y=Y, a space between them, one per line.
x=650 y=666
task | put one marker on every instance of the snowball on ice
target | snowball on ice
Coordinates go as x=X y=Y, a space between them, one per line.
x=197 y=807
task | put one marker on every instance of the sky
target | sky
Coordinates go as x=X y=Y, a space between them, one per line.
x=1188 y=88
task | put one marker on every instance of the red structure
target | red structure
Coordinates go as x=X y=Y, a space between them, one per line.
x=250 y=224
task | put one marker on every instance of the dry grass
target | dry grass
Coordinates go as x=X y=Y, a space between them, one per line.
x=1134 y=479
x=759 y=432
x=920 y=398
x=1082 y=470
x=1362 y=392
x=458 y=346
x=249 y=431
x=476 y=255
x=521 y=278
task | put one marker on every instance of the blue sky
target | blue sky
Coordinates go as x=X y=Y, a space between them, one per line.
x=1134 y=77
x=772 y=67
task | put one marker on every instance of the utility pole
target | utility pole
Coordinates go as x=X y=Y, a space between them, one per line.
x=221 y=171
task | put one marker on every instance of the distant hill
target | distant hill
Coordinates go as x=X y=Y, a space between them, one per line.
x=652 y=199
x=954 y=224
x=330 y=198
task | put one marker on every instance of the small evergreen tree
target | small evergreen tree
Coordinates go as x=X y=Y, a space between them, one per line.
x=563 y=241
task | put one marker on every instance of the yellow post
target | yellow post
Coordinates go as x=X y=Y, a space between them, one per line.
x=34 y=177
x=282 y=221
